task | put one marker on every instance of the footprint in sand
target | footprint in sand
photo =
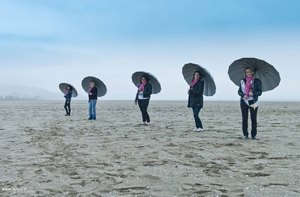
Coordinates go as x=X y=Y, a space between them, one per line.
x=257 y=174
x=151 y=177
x=276 y=184
x=130 y=188
x=260 y=166
x=189 y=186
x=155 y=163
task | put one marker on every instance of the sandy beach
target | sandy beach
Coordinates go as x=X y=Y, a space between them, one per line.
x=44 y=153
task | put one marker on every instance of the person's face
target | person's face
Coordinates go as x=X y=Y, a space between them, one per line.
x=197 y=76
x=92 y=84
x=143 y=80
x=249 y=73
x=68 y=87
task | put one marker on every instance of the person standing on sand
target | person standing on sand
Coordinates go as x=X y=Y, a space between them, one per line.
x=143 y=97
x=250 y=89
x=68 y=97
x=195 y=100
x=93 y=91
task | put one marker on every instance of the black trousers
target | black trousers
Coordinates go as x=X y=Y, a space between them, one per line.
x=253 y=114
x=68 y=107
x=143 y=104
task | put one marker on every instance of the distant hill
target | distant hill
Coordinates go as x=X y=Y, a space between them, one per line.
x=26 y=92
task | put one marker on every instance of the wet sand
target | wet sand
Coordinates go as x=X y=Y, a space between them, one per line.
x=44 y=153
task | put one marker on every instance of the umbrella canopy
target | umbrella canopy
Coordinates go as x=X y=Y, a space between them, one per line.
x=63 y=88
x=188 y=71
x=136 y=77
x=98 y=83
x=268 y=75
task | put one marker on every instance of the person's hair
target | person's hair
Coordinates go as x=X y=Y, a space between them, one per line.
x=143 y=77
x=198 y=73
x=249 y=68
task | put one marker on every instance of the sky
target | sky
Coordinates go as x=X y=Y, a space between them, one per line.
x=44 y=43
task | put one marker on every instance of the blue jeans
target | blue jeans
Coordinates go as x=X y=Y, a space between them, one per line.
x=92 y=109
x=196 y=111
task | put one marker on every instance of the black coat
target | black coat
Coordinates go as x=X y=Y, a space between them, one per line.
x=94 y=92
x=196 y=95
x=146 y=93
x=256 y=89
x=68 y=96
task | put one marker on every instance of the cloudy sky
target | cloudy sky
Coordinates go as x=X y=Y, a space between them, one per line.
x=43 y=43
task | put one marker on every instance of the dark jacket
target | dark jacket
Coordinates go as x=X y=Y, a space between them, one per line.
x=196 y=95
x=94 y=92
x=146 y=93
x=256 y=89
x=68 y=96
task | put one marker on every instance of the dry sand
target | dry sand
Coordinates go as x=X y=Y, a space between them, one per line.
x=44 y=153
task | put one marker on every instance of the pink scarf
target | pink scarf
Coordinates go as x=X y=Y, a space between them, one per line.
x=194 y=81
x=248 y=85
x=142 y=87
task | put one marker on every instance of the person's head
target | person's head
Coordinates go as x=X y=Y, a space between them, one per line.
x=68 y=87
x=197 y=75
x=249 y=72
x=144 y=79
x=92 y=84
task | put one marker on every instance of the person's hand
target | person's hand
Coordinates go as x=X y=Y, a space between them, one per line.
x=250 y=93
x=246 y=97
x=90 y=93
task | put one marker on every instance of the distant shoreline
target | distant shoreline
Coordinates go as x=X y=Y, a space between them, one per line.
x=114 y=100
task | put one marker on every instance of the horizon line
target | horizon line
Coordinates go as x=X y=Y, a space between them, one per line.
x=154 y=100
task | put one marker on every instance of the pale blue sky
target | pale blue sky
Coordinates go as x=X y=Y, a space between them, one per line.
x=43 y=43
